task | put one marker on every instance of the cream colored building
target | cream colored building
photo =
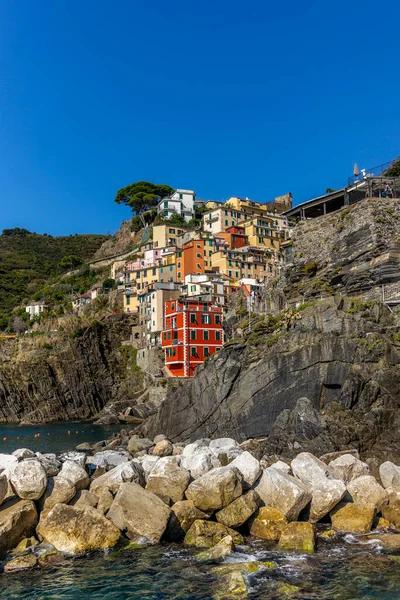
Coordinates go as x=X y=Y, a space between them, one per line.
x=166 y=235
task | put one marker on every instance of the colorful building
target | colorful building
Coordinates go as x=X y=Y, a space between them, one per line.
x=190 y=259
x=192 y=332
x=165 y=235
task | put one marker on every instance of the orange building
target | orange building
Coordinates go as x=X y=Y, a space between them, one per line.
x=235 y=236
x=192 y=332
x=190 y=259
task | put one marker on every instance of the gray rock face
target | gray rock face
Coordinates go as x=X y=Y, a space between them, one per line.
x=390 y=475
x=3 y=486
x=77 y=457
x=284 y=492
x=223 y=445
x=18 y=519
x=215 y=489
x=168 y=479
x=139 y=513
x=76 y=474
x=28 y=479
x=347 y=468
x=277 y=390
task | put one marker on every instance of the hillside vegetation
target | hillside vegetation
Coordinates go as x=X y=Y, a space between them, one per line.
x=28 y=260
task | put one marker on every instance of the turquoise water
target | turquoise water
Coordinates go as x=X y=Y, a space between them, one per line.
x=170 y=572
x=53 y=437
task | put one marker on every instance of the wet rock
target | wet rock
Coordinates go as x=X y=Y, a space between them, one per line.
x=249 y=468
x=105 y=500
x=286 y=590
x=21 y=563
x=232 y=587
x=83 y=447
x=183 y=515
x=50 y=463
x=200 y=462
x=76 y=474
x=240 y=510
x=84 y=498
x=390 y=541
x=281 y=491
x=347 y=467
x=366 y=490
x=390 y=475
x=328 y=534
x=168 y=479
x=215 y=489
x=220 y=550
x=205 y=534
x=136 y=445
x=22 y=453
x=73 y=529
x=353 y=518
x=51 y=558
x=112 y=480
x=383 y=525
x=139 y=513
x=298 y=536
x=58 y=490
x=28 y=479
x=163 y=448
x=24 y=545
x=268 y=524
x=18 y=519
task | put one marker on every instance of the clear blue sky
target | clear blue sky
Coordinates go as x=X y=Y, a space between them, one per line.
x=224 y=97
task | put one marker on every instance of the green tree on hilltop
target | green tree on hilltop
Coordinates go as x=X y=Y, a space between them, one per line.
x=142 y=196
x=394 y=169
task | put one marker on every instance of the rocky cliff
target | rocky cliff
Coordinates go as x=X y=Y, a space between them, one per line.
x=322 y=379
x=54 y=377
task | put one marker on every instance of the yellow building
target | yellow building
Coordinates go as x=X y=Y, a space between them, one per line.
x=262 y=232
x=251 y=208
x=166 y=235
x=139 y=280
x=220 y=219
x=252 y=263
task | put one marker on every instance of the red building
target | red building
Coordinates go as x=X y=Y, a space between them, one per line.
x=192 y=332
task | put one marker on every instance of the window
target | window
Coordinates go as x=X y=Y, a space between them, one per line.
x=193 y=351
x=138 y=286
x=218 y=336
x=173 y=323
x=169 y=335
x=217 y=319
x=193 y=318
x=226 y=213
x=166 y=204
x=179 y=275
x=179 y=265
x=180 y=196
x=165 y=336
x=161 y=269
x=205 y=335
x=154 y=271
x=226 y=222
x=145 y=273
x=206 y=352
x=128 y=300
x=137 y=274
x=171 y=267
x=198 y=255
x=230 y=273
x=206 y=319
x=172 y=305
x=171 y=230
x=192 y=334
x=198 y=266
x=205 y=307
x=236 y=274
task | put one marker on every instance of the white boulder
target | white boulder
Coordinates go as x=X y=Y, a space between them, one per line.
x=348 y=467
x=76 y=474
x=249 y=467
x=284 y=492
x=28 y=479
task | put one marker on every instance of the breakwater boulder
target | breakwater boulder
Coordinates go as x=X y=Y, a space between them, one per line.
x=95 y=501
